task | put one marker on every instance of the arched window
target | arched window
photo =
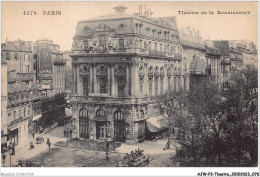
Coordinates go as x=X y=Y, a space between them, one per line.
x=100 y=112
x=119 y=126
x=121 y=43
x=83 y=112
x=83 y=123
x=119 y=115
x=141 y=115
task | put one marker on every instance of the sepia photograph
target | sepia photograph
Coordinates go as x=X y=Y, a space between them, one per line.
x=129 y=84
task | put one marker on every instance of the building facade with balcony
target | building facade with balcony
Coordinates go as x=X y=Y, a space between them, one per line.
x=224 y=49
x=19 y=112
x=193 y=56
x=4 y=97
x=213 y=57
x=120 y=63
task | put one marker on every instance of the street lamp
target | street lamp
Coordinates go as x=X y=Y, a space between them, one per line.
x=3 y=157
x=10 y=152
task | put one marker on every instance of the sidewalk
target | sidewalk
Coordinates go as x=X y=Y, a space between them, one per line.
x=30 y=138
x=23 y=151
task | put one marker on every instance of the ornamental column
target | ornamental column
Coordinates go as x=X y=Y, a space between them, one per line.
x=112 y=81
x=94 y=79
x=127 y=81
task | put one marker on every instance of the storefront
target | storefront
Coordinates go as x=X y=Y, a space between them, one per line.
x=13 y=136
x=35 y=123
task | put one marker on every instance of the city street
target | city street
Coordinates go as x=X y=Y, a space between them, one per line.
x=59 y=156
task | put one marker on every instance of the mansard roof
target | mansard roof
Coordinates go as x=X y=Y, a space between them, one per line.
x=17 y=46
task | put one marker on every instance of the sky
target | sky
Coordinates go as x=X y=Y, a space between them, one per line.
x=61 y=28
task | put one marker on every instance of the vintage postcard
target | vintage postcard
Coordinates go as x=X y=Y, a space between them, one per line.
x=129 y=84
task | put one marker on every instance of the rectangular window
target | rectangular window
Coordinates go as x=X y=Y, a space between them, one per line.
x=7 y=56
x=169 y=84
x=175 y=84
x=160 y=47
x=27 y=68
x=155 y=46
x=161 y=86
x=150 y=86
x=85 y=86
x=185 y=83
x=121 y=43
x=150 y=45
x=121 y=86
x=24 y=112
x=14 y=115
x=141 y=86
x=34 y=56
x=26 y=57
x=156 y=86
x=20 y=114
x=103 y=85
x=16 y=56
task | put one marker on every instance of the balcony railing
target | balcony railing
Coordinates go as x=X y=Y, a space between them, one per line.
x=136 y=51
x=59 y=61
x=225 y=61
x=17 y=121
x=235 y=50
x=129 y=100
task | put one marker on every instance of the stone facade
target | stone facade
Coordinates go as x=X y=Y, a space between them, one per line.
x=121 y=64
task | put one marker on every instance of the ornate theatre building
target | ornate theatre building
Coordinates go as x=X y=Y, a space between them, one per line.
x=122 y=64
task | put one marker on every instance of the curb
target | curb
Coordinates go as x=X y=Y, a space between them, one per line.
x=18 y=149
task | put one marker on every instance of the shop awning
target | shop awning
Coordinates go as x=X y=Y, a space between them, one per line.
x=3 y=139
x=37 y=117
x=156 y=124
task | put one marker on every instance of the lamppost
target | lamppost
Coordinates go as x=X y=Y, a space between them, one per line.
x=3 y=157
x=10 y=153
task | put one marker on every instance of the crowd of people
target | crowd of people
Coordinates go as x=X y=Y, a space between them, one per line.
x=133 y=155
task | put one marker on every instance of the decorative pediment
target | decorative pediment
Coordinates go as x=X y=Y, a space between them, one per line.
x=169 y=71
x=102 y=70
x=121 y=26
x=141 y=71
x=156 y=72
x=162 y=72
x=103 y=27
x=84 y=69
x=150 y=72
x=120 y=70
x=87 y=29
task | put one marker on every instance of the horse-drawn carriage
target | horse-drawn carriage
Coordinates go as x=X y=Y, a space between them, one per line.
x=26 y=163
x=135 y=159
x=39 y=140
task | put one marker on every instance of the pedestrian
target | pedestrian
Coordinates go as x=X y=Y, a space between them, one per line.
x=70 y=133
x=49 y=143
x=33 y=134
x=64 y=132
x=107 y=158
x=67 y=142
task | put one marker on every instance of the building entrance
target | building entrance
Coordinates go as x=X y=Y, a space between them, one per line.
x=83 y=123
x=119 y=124
x=101 y=130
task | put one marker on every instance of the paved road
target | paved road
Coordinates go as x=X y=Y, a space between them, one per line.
x=72 y=157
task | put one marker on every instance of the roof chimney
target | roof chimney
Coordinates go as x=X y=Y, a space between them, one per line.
x=120 y=9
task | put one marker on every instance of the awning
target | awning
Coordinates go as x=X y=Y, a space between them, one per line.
x=3 y=139
x=37 y=117
x=156 y=124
